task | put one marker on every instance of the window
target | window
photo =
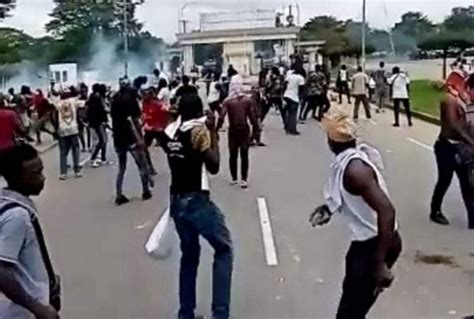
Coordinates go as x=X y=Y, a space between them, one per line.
x=65 y=76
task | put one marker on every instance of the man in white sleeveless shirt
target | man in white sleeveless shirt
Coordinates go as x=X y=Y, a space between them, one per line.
x=357 y=189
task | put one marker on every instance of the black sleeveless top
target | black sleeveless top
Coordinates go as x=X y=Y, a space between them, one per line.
x=185 y=163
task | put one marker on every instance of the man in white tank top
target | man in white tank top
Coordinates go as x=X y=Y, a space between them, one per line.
x=357 y=189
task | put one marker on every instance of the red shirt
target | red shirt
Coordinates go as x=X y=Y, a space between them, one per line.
x=9 y=125
x=155 y=117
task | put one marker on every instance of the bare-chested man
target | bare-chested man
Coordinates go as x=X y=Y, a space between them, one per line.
x=455 y=147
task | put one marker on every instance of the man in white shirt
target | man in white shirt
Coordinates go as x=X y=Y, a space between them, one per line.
x=399 y=84
x=293 y=83
x=357 y=190
x=360 y=82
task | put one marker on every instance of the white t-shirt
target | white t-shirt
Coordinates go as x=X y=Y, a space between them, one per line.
x=164 y=95
x=343 y=75
x=399 y=83
x=294 y=82
x=214 y=94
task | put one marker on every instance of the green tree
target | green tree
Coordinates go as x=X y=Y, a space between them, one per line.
x=447 y=41
x=6 y=6
x=415 y=25
x=461 y=19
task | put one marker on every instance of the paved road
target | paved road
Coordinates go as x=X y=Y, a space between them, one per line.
x=98 y=248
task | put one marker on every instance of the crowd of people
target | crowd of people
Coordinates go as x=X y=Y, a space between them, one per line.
x=172 y=114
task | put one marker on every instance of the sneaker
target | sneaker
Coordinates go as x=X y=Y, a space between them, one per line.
x=261 y=144
x=396 y=125
x=233 y=183
x=147 y=195
x=121 y=200
x=244 y=184
x=439 y=218
x=62 y=177
x=78 y=175
x=410 y=124
x=96 y=164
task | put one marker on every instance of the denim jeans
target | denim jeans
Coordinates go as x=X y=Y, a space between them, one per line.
x=101 y=144
x=140 y=159
x=196 y=215
x=291 y=115
x=66 y=144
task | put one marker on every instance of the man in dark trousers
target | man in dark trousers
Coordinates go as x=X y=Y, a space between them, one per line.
x=240 y=110
x=24 y=276
x=357 y=190
x=192 y=146
x=98 y=120
x=454 y=148
x=126 y=116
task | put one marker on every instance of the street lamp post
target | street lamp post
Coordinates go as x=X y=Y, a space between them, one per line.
x=125 y=36
x=364 y=19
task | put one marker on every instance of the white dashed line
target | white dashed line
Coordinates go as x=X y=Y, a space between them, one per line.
x=412 y=140
x=267 y=234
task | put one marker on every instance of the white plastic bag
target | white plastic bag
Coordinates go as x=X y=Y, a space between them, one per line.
x=162 y=239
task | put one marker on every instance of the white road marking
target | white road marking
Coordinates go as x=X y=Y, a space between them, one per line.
x=84 y=161
x=268 y=241
x=412 y=140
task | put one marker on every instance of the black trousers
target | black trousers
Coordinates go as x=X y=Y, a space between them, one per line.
x=215 y=107
x=396 y=109
x=359 y=287
x=344 y=89
x=449 y=162
x=317 y=104
x=101 y=144
x=244 y=162
x=149 y=137
x=277 y=102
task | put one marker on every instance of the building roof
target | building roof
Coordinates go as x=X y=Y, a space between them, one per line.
x=317 y=43
x=218 y=35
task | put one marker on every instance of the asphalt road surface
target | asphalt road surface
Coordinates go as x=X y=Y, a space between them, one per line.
x=289 y=270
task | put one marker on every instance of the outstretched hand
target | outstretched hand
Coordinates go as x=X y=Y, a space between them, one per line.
x=321 y=216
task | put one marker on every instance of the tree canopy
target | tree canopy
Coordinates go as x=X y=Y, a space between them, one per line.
x=6 y=6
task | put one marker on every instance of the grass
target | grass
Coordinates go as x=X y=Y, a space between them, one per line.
x=426 y=96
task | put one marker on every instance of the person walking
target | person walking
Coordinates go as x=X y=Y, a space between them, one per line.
x=82 y=110
x=240 y=110
x=186 y=88
x=316 y=89
x=126 y=115
x=400 y=88
x=342 y=84
x=294 y=83
x=454 y=148
x=11 y=126
x=381 y=87
x=274 y=92
x=360 y=84
x=98 y=119
x=192 y=146
x=29 y=287
x=42 y=110
x=68 y=132
x=213 y=98
x=357 y=190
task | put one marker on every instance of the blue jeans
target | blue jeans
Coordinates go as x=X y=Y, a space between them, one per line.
x=140 y=159
x=101 y=144
x=196 y=215
x=66 y=144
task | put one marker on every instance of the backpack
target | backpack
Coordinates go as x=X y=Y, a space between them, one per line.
x=54 y=280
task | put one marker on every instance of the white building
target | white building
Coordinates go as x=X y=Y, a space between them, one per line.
x=242 y=39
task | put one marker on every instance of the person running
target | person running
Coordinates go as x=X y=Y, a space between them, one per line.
x=360 y=83
x=400 y=87
x=342 y=84
x=357 y=189
x=27 y=287
x=293 y=86
x=82 y=110
x=164 y=94
x=213 y=98
x=43 y=110
x=11 y=126
x=191 y=144
x=98 y=120
x=381 y=87
x=316 y=89
x=155 y=119
x=240 y=110
x=68 y=132
x=126 y=114
x=274 y=93
x=454 y=148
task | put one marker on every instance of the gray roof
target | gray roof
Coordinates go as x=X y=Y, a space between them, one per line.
x=238 y=32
